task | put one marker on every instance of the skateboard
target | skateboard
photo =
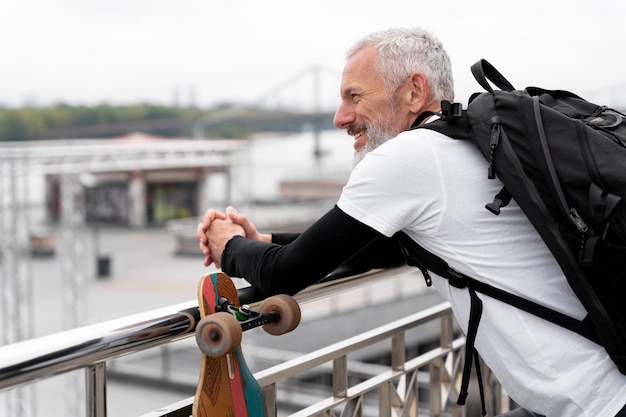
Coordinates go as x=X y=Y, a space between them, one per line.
x=226 y=386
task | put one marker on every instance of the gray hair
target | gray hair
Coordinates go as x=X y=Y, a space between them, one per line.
x=402 y=52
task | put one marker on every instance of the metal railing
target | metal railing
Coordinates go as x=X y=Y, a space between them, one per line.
x=398 y=388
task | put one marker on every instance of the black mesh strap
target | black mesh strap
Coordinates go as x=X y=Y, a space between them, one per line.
x=471 y=354
x=424 y=259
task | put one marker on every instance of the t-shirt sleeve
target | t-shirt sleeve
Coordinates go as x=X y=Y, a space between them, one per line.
x=387 y=190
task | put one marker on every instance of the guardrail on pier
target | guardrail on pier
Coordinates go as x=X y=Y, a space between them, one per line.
x=426 y=384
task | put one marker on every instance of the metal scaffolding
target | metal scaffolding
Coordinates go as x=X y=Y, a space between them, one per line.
x=72 y=161
x=15 y=274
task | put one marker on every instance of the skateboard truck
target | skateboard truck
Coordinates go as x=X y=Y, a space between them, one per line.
x=248 y=319
x=220 y=333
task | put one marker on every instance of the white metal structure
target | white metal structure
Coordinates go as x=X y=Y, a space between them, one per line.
x=74 y=161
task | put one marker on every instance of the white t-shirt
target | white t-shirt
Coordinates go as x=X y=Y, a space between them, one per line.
x=434 y=189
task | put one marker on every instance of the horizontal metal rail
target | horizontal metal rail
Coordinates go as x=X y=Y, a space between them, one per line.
x=44 y=357
x=353 y=397
x=91 y=347
x=396 y=387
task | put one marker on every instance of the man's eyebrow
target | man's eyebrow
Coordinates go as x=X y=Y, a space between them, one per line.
x=352 y=90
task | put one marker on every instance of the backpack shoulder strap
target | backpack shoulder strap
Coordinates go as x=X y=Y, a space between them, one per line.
x=453 y=121
x=426 y=261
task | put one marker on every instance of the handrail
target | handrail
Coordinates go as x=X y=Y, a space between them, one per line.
x=91 y=347
x=449 y=350
x=442 y=362
x=47 y=356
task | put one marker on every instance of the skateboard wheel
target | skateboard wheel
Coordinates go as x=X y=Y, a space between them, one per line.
x=218 y=334
x=289 y=311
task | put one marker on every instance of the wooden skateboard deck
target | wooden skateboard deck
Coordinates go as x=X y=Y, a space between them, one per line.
x=226 y=387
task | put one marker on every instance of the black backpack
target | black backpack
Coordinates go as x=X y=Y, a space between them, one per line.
x=563 y=160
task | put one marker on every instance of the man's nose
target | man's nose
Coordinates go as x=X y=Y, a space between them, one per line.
x=344 y=116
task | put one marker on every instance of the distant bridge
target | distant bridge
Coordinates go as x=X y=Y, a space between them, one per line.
x=308 y=97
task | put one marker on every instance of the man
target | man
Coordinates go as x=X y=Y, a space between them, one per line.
x=433 y=189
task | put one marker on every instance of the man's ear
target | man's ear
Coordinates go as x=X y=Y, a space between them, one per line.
x=419 y=90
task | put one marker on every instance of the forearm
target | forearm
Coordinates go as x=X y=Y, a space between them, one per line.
x=283 y=238
x=383 y=252
x=275 y=268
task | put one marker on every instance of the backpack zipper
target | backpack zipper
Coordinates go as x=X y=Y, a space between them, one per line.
x=571 y=212
x=494 y=141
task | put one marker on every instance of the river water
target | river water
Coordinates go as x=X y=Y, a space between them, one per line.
x=273 y=159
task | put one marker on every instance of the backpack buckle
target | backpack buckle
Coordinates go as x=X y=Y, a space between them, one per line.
x=456 y=279
x=451 y=110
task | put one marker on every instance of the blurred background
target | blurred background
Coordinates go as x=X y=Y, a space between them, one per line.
x=201 y=53
x=122 y=121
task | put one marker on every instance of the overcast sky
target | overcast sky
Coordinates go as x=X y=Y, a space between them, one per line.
x=211 y=51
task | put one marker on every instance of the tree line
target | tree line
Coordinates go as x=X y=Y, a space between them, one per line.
x=29 y=123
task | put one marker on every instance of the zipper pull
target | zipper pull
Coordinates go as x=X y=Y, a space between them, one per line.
x=427 y=278
x=494 y=141
x=578 y=221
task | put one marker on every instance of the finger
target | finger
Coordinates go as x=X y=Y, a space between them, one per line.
x=210 y=215
x=201 y=234
x=233 y=215
x=208 y=218
x=204 y=248
x=243 y=221
x=249 y=228
x=236 y=217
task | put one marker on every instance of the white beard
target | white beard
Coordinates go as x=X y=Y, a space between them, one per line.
x=376 y=136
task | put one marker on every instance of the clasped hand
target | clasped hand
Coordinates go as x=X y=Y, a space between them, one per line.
x=217 y=228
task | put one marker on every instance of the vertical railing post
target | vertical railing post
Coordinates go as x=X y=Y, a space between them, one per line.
x=435 y=387
x=384 y=400
x=340 y=376
x=398 y=352
x=398 y=361
x=438 y=376
x=95 y=384
x=269 y=399
x=447 y=330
